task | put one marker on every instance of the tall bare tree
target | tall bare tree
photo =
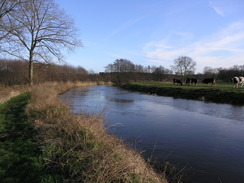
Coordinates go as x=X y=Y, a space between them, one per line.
x=184 y=66
x=41 y=31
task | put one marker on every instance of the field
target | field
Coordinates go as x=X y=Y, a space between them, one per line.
x=222 y=86
x=219 y=93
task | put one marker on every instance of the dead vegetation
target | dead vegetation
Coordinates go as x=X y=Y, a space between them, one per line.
x=76 y=148
x=7 y=92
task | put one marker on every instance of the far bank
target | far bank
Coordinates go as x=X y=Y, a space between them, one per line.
x=220 y=93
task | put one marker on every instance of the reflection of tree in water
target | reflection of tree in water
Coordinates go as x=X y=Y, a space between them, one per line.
x=113 y=99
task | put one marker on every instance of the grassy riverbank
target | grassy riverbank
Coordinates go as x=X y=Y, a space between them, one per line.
x=19 y=151
x=54 y=145
x=219 y=93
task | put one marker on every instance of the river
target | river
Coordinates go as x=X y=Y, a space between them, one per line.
x=205 y=140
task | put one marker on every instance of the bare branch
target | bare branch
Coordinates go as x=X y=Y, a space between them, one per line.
x=7 y=6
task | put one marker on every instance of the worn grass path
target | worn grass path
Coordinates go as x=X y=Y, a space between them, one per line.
x=19 y=151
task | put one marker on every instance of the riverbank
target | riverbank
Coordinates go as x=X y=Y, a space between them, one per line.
x=220 y=93
x=7 y=92
x=74 y=148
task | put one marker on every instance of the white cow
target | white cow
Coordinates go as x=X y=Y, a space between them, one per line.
x=238 y=81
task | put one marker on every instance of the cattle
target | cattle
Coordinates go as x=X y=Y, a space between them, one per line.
x=209 y=80
x=188 y=81
x=194 y=81
x=237 y=81
x=191 y=81
x=177 y=81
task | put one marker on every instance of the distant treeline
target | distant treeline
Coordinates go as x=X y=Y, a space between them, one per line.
x=14 y=72
x=125 y=77
x=224 y=74
x=124 y=71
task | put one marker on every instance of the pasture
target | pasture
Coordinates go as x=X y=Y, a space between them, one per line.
x=221 y=92
x=221 y=86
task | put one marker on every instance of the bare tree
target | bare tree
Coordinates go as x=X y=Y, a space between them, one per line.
x=120 y=65
x=184 y=66
x=6 y=6
x=41 y=31
x=209 y=71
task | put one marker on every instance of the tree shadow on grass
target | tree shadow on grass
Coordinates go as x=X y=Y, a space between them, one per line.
x=19 y=151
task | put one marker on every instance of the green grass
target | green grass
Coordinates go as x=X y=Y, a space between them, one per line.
x=19 y=152
x=222 y=86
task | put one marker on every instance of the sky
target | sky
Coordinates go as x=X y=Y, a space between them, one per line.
x=155 y=32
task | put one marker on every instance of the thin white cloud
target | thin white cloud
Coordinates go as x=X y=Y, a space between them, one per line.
x=124 y=26
x=216 y=9
x=222 y=49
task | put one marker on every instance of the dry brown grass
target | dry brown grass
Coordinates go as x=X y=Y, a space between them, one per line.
x=7 y=92
x=77 y=148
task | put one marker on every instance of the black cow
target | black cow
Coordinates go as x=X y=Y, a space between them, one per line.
x=188 y=81
x=194 y=81
x=209 y=80
x=177 y=81
x=191 y=81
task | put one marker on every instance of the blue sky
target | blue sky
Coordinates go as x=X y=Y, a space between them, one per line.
x=155 y=32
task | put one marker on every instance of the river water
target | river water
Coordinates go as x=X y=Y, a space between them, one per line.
x=205 y=140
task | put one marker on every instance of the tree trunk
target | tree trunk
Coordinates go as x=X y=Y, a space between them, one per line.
x=31 y=69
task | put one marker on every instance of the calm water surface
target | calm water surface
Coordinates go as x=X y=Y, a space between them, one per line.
x=205 y=139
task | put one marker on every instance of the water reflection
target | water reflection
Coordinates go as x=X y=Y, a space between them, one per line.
x=211 y=109
x=207 y=137
x=113 y=99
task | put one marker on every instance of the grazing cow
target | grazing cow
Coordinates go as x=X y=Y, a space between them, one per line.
x=237 y=81
x=191 y=81
x=177 y=81
x=194 y=81
x=188 y=81
x=209 y=80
